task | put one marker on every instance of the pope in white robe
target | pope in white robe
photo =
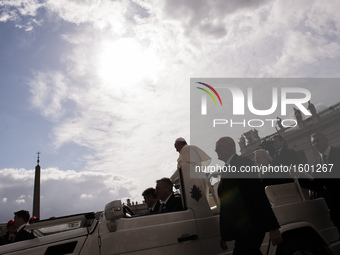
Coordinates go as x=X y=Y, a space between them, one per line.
x=191 y=159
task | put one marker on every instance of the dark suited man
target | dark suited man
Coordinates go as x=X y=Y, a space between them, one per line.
x=329 y=188
x=20 y=221
x=151 y=200
x=171 y=202
x=10 y=233
x=262 y=158
x=245 y=212
x=283 y=155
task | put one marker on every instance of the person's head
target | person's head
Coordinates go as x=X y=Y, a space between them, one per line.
x=261 y=157
x=180 y=143
x=278 y=142
x=163 y=188
x=150 y=197
x=21 y=217
x=32 y=220
x=11 y=229
x=9 y=223
x=319 y=142
x=225 y=148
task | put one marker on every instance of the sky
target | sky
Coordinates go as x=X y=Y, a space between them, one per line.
x=102 y=88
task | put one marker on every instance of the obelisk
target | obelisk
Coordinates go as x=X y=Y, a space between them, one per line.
x=36 y=195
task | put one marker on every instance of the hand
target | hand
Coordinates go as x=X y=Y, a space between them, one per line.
x=223 y=244
x=275 y=236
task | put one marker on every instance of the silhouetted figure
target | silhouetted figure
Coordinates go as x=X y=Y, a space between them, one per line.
x=170 y=201
x=245 y=212
x=8 y=236
x=329 y=188
x=151 y=200
x=20 y=222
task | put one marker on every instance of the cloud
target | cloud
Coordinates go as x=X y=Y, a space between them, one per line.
x=21 y=200
x=122 y=123
x=49 y=93
x=21 y=12
x=129 y=128
x=63 y=192
x=86 y=196
x=307 y=40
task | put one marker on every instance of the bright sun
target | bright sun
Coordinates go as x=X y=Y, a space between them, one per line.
x=125 y=62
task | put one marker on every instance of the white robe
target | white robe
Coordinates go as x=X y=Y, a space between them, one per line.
x=191 y=156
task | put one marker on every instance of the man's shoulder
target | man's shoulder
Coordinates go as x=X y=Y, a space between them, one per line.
x=156 y=208
x=334 y=155
x=23 y=231
x=184 y=149
x=174 y=197
x=23 y=234
x=241 y=160
x=174 y=203
x=286 y=151
x=335 y=150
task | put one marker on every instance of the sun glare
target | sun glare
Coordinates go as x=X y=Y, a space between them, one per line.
x=125 y=62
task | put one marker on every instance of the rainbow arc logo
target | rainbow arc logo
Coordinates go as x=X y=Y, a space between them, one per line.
x=204 y=99
x=213 y=90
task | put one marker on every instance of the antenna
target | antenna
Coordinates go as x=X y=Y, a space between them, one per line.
x=38 y=161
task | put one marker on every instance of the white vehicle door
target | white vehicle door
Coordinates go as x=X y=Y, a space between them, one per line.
x=63 y=243
x=165 y=233
x=64 y=235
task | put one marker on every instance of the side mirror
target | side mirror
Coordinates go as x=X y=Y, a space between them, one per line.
x=113 y=212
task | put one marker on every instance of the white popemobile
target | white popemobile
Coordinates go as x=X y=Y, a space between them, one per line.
x=305 y=225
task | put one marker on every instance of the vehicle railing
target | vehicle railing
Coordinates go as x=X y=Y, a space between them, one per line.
x=61 y=224
x=290 y=192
